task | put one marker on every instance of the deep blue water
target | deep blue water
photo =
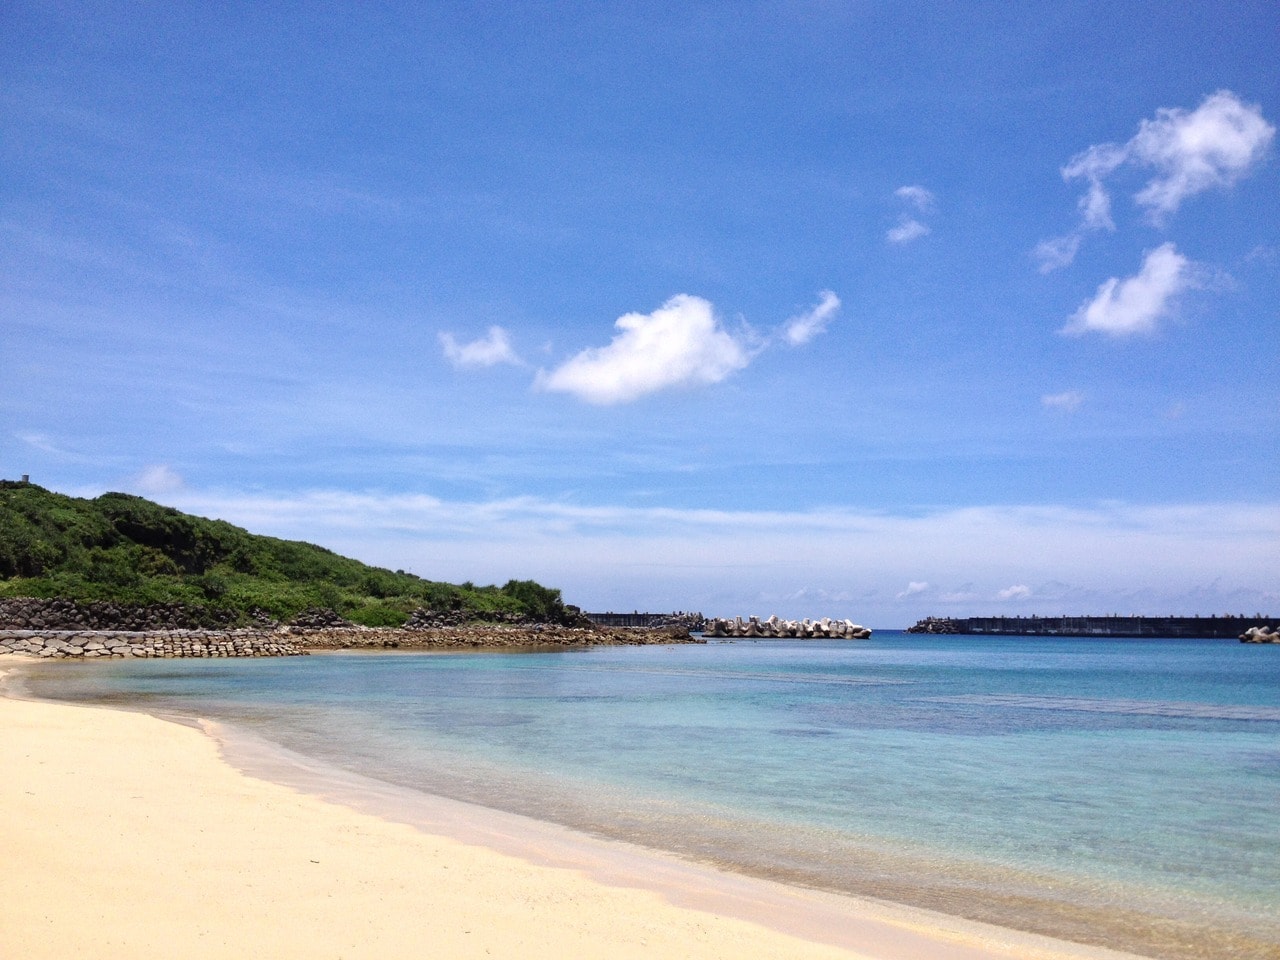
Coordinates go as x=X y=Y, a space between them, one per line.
x=1044 y=783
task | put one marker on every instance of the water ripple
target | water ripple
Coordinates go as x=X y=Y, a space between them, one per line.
x=1151 y=708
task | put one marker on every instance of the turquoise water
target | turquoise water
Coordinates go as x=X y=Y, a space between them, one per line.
x=1123 y=792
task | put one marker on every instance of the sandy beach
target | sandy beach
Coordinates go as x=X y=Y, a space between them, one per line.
x=129 y=836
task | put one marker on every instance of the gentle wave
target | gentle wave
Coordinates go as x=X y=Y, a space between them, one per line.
x=1149 y=708
x=784 y=678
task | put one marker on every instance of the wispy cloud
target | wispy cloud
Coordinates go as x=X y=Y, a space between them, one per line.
x=1214 y=145
x=487 y=351
x=58 y=450
x=1067 y=401
x=1057 y=252
x=909 y=227
x=42 y=443
x=1111 y=552
x=1018 y=591
x=157 y=479
x=917 y=196
x=1136 y=304
x=804 y=327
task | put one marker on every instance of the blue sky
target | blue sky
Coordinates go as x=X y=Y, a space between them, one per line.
x=847 y=309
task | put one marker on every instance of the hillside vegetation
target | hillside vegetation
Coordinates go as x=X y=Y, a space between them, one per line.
x=129 y=550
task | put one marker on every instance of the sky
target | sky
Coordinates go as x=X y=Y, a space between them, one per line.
x=851 y=309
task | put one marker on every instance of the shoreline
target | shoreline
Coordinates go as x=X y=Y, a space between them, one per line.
x=247 y=786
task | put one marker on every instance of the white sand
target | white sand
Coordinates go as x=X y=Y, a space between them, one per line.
x=126 y=836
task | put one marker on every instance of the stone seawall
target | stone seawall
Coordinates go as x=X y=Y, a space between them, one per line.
x=91 y=644
x=480 y=635
x=295 y=641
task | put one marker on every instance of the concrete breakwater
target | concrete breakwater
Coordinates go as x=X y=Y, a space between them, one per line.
x=774 y=627
x=1261 y=635
x=91 y=644
x=1221 y=628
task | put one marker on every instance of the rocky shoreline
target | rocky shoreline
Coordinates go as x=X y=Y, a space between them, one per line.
x=64 y=629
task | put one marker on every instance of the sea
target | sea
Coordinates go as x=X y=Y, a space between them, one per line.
x=1118 y=792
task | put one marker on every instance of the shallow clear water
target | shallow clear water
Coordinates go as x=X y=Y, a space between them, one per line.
x=1124 y=792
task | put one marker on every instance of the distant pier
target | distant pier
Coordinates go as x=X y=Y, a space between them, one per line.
x=1206 y=628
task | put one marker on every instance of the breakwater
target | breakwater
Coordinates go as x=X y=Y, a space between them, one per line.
x=754 y=627
x=1219 y=628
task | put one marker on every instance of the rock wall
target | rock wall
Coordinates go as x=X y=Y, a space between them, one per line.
x=477 y=635
x=42 y=613
x=677 y=620
x=294 y=641
x=91 y=644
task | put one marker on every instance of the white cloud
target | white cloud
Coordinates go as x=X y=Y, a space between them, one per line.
x=1067 y=401
x=158 y=479
x=1057 y=252
x=1095 y=208
x=680 y=344
x=804 y=327
x=913 y=588
x=917 y=196
x=488 y=351
x=1214 y=145
x=1017 y=592
x=1136 y=304
x=908 y=229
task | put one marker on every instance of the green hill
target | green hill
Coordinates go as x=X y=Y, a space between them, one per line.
x=129 y=550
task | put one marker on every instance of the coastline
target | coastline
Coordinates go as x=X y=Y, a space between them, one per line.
x=167 y=840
